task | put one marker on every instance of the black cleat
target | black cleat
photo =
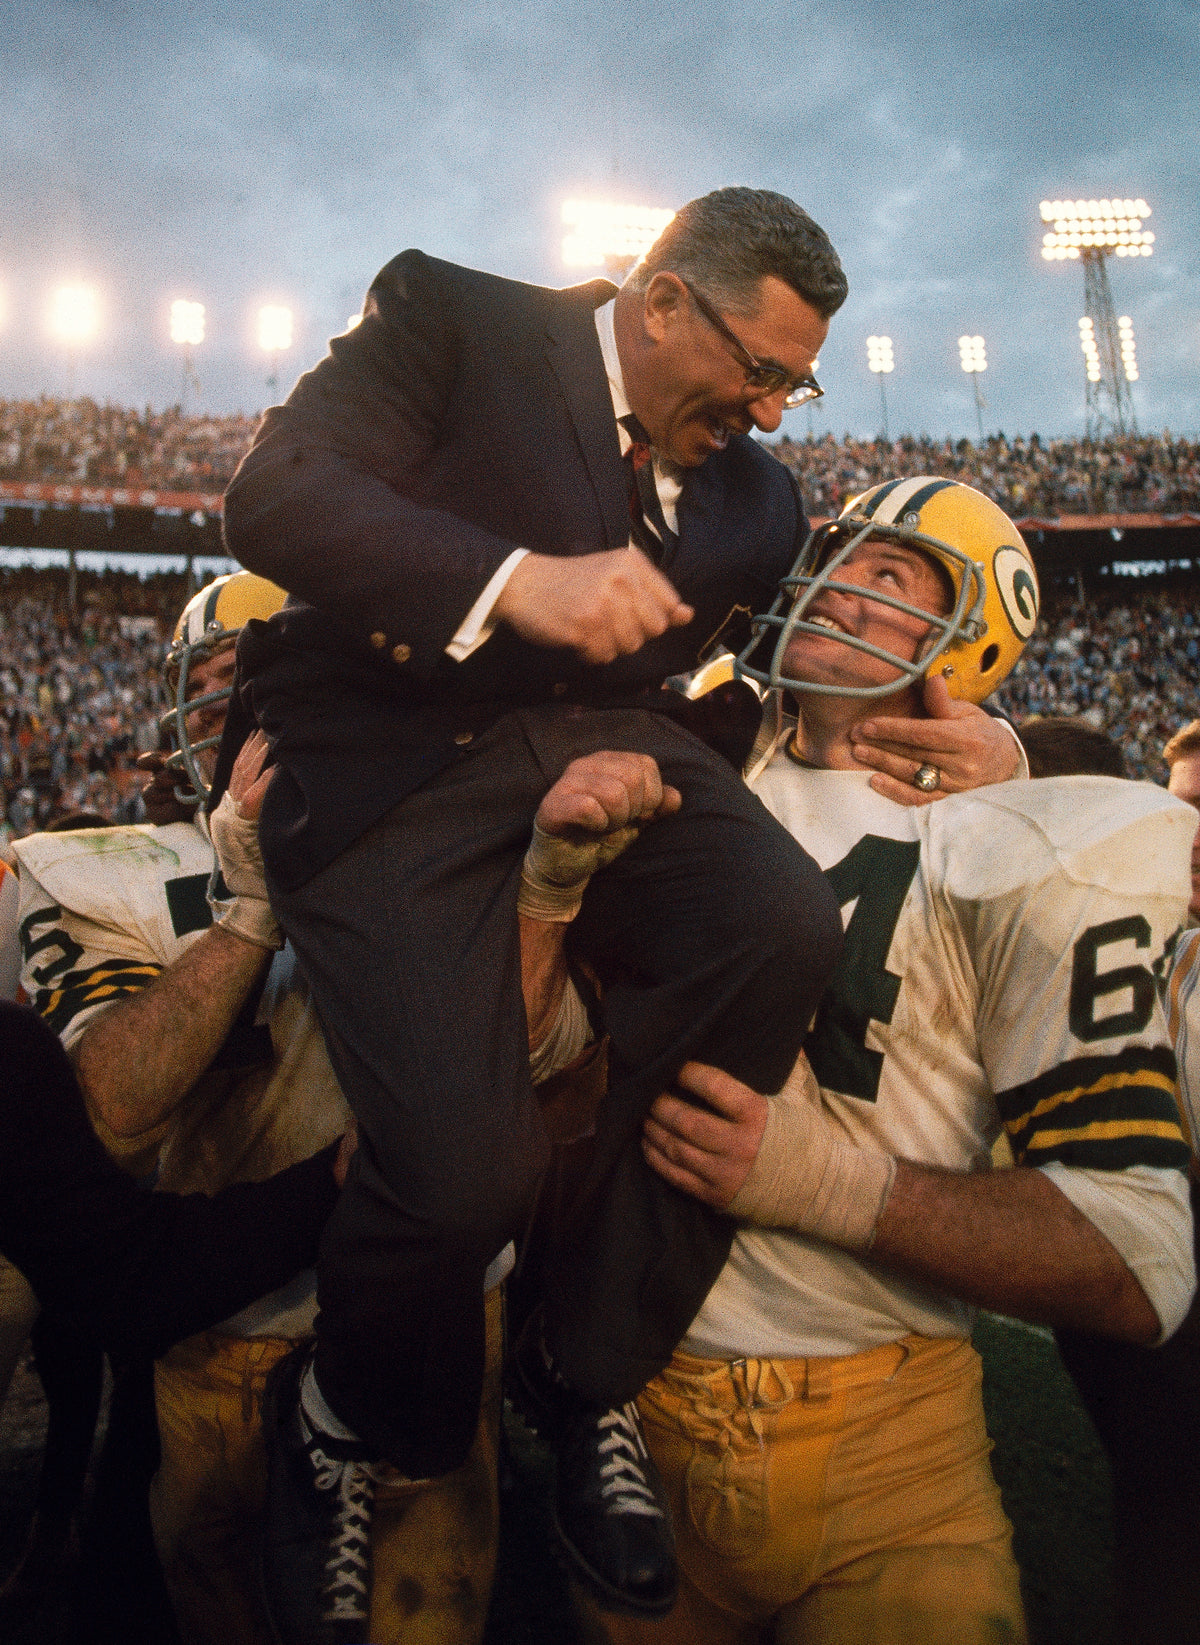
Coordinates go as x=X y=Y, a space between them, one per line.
x=316 y=1525
x=610 y=1510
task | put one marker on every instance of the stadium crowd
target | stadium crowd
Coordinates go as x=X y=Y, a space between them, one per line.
x=80 y=442
x=1026 y=476
x=81 y=694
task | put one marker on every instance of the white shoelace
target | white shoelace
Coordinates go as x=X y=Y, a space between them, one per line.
x=348 y=1568
x=626 y=1489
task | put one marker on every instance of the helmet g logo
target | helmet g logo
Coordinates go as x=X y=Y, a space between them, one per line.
x=1017 y=590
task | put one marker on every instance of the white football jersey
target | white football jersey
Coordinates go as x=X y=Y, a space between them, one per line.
x=1001 y=967
x=103 y=912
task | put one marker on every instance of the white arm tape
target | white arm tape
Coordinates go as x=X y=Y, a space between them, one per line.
x=247 y=913
x=556 y=871
x=807 y=1177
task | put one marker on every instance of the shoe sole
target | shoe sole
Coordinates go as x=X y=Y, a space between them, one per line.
x=608 y=1597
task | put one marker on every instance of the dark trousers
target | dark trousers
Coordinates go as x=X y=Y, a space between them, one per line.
x=133 y=1270
x=722 y=932
x=1145 y=1403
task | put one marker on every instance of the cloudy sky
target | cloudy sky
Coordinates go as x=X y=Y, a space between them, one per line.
x=272 y=152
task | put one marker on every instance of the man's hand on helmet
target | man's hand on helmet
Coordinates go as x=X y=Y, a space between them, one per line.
x=964 y=745
x=234 y=828
x=158 y=796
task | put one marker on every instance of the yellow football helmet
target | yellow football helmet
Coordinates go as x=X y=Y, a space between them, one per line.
x=209 y=623
x=990 y=570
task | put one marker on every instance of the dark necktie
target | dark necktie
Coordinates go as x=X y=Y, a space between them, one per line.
x=647 y=523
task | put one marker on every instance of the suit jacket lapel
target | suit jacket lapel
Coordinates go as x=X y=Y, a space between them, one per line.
x=699 y=512
x=573 y=351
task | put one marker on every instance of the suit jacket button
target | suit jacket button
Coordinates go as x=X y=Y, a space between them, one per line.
x=559 y=688
x=401 y=653
x=462 y=738
x=378 y=641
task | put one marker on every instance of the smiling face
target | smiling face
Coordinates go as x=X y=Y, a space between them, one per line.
x=684 y=380
x=885 y=567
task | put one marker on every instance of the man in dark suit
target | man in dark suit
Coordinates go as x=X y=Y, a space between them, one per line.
x=505 y=515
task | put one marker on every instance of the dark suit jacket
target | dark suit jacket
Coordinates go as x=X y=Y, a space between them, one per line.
x=465 y=416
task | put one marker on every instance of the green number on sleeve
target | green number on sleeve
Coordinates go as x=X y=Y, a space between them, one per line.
x=61 y=949
x=1088 y=985
x=878 y=872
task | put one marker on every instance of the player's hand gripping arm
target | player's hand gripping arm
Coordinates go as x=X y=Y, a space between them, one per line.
x=1006 y=1240
x=967 y=745
x=137 y=1060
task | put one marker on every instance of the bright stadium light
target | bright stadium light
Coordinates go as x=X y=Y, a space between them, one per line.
x=1128 y=348
x=607 y=235
x=879 y=354
x=187 y=323
x=972 y=356
x=1107 y=226
x=1091 y=353
x=74 y=321
x=880 y=360
x=274 y=328
x=1090 y=232
x=75 y=314
x=972 y=353
x=187 y=330
x=274 y=337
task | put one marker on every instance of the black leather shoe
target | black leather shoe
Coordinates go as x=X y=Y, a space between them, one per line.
x=316 y=1562
x=610 y=1510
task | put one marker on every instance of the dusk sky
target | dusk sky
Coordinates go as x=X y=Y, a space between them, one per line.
x=237 y=155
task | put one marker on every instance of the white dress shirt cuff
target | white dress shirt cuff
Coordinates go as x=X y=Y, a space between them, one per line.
x=1021 y=774
x=479 y=623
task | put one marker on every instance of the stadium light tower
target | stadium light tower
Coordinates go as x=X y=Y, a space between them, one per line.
x=187 y=330
x=74 y=322
x=275 y=332
x=972 y=356
x=881 y=360
x=609 y=236
x=1092 y=231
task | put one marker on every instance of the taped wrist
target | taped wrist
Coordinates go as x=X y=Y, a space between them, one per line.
x=247 y=911
x=556 y=871
x=569 y=1034
x=806 y=1176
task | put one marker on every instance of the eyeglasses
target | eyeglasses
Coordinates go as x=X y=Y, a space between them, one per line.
x=762 y=378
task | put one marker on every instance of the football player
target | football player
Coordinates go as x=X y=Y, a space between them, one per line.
x=200 y=1059
x=820 y=1429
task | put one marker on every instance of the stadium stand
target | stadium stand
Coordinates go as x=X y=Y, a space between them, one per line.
x=79 y=693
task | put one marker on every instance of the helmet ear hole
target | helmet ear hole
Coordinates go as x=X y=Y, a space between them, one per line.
x=989 y=659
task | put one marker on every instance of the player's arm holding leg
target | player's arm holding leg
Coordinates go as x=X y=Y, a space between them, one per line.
x=137 y=1059
x=1096 y=1235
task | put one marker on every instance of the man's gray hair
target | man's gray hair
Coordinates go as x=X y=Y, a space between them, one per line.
x=725 y=242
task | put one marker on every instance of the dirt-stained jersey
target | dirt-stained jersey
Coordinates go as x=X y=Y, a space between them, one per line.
x=1001 y=967
x=1183 y=1024
x=103 y=912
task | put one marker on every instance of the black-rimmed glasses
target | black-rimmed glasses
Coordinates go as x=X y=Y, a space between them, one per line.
x=761 y=377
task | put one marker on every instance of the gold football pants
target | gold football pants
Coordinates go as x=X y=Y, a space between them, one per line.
x=840 y=1501
x=433 y=1548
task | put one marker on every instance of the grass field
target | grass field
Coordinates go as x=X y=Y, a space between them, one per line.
x=1051 y=1471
